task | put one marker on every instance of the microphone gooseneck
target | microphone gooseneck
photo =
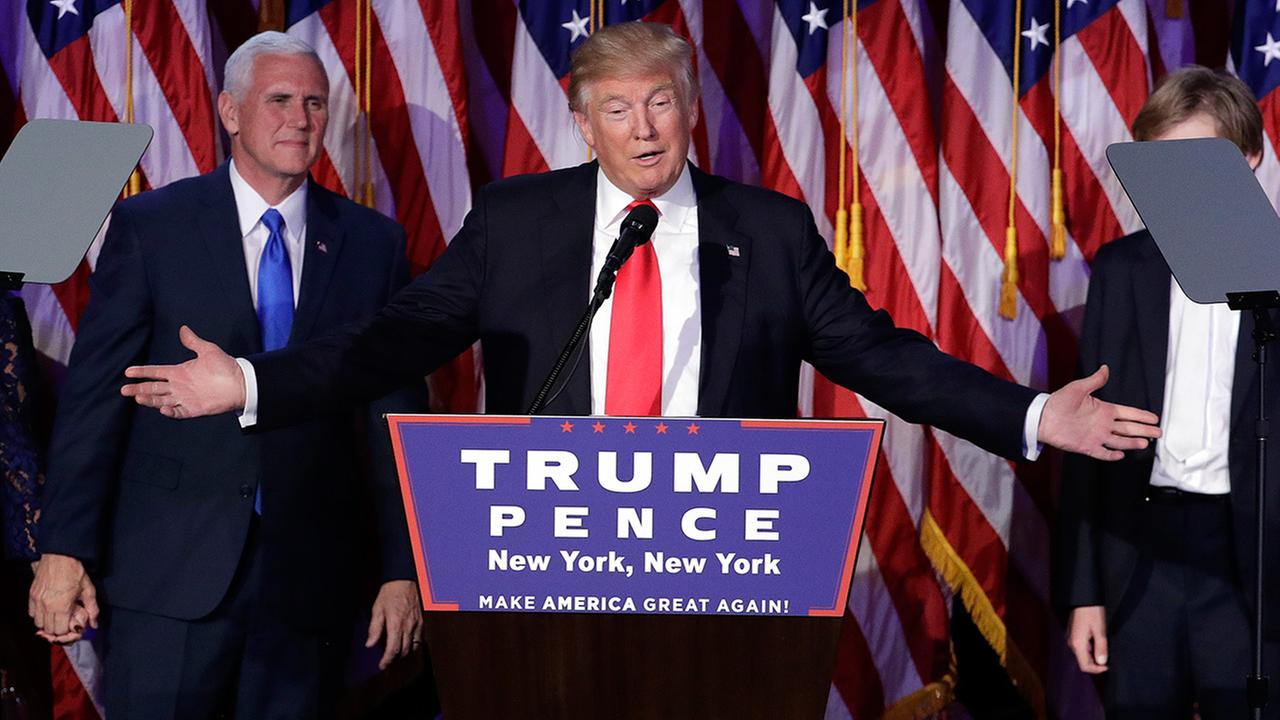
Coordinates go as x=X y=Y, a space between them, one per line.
x=637 y=228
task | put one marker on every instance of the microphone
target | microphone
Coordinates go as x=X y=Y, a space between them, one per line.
x=637 y=228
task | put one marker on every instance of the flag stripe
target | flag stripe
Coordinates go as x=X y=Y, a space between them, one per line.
x=392 y=129
x=162 y=36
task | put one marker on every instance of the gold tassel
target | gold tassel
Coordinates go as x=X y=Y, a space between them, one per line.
x=1009 y=285
x=857 y=251
x=850 y=239
x=842 y=239
x=1058 y=246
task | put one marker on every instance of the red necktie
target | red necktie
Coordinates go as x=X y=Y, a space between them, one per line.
x=634 y=383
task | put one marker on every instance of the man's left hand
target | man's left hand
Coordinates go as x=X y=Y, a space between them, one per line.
x=1077 y=422
x=398 y=612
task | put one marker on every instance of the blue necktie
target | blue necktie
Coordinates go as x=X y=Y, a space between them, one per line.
x=275 y=296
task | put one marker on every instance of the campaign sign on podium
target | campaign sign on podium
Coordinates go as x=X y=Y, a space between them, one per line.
x=635 y=515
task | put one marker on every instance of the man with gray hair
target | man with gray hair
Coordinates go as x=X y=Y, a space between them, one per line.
x=225 y=559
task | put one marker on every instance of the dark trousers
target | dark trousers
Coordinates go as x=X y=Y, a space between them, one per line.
x=1180 y=638
x=241 y=661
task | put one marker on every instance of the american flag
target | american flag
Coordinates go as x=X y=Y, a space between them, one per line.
x=1010 y=120
x=895 y=651
x=431 y=98
x=1255 y=56
x=398 y=130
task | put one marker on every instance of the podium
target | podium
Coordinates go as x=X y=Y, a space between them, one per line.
x=634 y=567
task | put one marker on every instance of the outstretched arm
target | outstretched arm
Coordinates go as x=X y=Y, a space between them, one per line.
x=425 y=325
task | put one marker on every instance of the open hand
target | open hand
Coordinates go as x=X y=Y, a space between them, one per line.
x=1075 y=421
x=209 y=384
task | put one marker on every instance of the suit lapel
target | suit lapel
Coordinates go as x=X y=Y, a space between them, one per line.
x=320 y=248
x=219 y=226
x=724 y=255
x=1151 y=304
x=565 y=236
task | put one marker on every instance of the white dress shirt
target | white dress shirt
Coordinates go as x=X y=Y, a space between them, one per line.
x=1199 y=371
x=675 y=241
x=249 y=208
x=253 y=235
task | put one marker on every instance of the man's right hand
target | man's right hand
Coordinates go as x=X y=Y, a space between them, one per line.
x=1087 y=637
x=62 y=599
x=209 y=384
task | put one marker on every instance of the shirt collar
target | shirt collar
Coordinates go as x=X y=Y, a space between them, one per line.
x=250 y=205
x=675 y=207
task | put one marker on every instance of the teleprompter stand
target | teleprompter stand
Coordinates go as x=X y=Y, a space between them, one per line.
x=1221 y=238
x=58 y=181
x=1261 y=305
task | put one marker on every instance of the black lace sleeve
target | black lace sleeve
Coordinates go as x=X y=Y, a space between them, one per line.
x=21 y=473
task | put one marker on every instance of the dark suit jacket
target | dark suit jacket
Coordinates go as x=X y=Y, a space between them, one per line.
x=1126 y=326
x=516 y=278
x=160 y=509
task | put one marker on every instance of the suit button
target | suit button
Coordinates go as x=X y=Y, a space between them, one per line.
x=245 y=491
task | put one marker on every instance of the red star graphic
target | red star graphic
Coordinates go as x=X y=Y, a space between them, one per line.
x=694 y=428
x=566 y=426
x=661 y=428
x=598 y=427
x=630 y=427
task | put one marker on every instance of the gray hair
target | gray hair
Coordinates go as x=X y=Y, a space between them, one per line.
x=629 y=49
x=239 y=68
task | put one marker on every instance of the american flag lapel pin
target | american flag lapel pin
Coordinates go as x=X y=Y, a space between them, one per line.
x=734 y=251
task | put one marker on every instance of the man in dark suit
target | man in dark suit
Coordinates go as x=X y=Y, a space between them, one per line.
x=1157 y=554
x=228 y=559
x=712 y=317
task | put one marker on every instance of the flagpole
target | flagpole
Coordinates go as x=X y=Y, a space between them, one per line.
x=134 y=186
